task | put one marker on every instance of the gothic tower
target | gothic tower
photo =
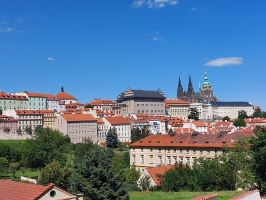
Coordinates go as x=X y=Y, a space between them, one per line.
x=206 y=90
x=180 y=94
x=190 y=92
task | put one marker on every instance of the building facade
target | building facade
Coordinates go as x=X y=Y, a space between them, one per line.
x=77 y=126
x=157 y=150
x=13 y=102
x=143 y=101
x=177 y=108
x=221 y=109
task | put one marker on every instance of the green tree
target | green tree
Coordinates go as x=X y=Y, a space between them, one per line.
x=3 y=165
x=193 y=114
x=7 y=130
x=257 y=113
x=82 y=148
x=137 y=134
x=46 y=145
x=178 y=178
x=240 y=123
x=242 y=114
x=112 y=138
x=226 y=118
x=95 y=177
x=258 y=145
x=19 y=130
x=28 y=130
x=145 y=182
x=131 y=175
x=88 y=106
x=13 y=168
x=55 y=173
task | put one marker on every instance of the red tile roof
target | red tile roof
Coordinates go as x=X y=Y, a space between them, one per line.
x=244 y=194
x=118 y=120
x=175 y=102
x=28 y=112
x=4 y=95
x=191 y=140
x=155 y=171
x=205 y=197
x=64 y=96
x=98 y=102
x=78 y=117
x=11 y=190
x=199 y=123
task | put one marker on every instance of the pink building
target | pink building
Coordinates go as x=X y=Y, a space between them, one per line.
x=8 y=123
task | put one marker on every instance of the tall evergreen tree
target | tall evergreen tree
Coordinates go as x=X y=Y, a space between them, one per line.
x=112 y=138
x=95 y=177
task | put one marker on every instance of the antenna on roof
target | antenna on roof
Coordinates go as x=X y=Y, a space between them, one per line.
x=62 y=89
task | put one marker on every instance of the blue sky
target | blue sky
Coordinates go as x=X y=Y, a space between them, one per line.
x=99 y=48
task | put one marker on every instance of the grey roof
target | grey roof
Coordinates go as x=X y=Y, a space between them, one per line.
x=231 y=104
x=142 y=94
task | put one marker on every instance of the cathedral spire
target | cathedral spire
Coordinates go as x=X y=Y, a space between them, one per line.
x=179 y=82
x=180 y=92
x=189 y=82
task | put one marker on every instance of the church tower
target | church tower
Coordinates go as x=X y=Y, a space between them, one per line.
x=206 y=90
x=190 y=92
x=180 y=94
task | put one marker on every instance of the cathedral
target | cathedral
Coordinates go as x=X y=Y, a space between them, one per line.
x=205 y=94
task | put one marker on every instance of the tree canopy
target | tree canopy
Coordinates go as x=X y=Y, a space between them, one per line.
x=95 y=178
x=45 y=146
x=137 y=134
x=193 y=114
x=112 y=138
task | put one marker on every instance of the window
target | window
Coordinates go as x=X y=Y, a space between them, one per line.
x=142 y=159
x=169 y=160
x=160 y=160
x=175 y=160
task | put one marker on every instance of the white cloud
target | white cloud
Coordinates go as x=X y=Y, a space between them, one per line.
x=157 y=38
x=193 y=9
x=220 y=62
x=2 y=30
x=50 y=59
x=154 y=3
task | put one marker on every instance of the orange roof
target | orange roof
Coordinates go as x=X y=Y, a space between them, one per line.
x=175 y=102
x=28 y=112
x=100 y=121
x=183 y=130
x=4 y=95
x=191 y=140
x=244 y=194
x=78 y=117
x=46 y=111
x=154 y=171
x=205 y=197
x=199 y=123
x=64 y=96
x=97 y=102
x=117 y=120
x=11 y=190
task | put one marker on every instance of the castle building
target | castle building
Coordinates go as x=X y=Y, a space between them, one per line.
x=205 y=94
x=143 y=101
x=206 y=90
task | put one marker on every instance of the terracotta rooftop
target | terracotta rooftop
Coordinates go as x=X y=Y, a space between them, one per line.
x=64 y=96
x=117 y=120
x=98 y=102
x=28 y=112
x=11 y=190
x=205 y=197
x=78 y=117
x=175 y=102
x=4 y=95
x=194 y=140
x=199 y=123
x=153 y=171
